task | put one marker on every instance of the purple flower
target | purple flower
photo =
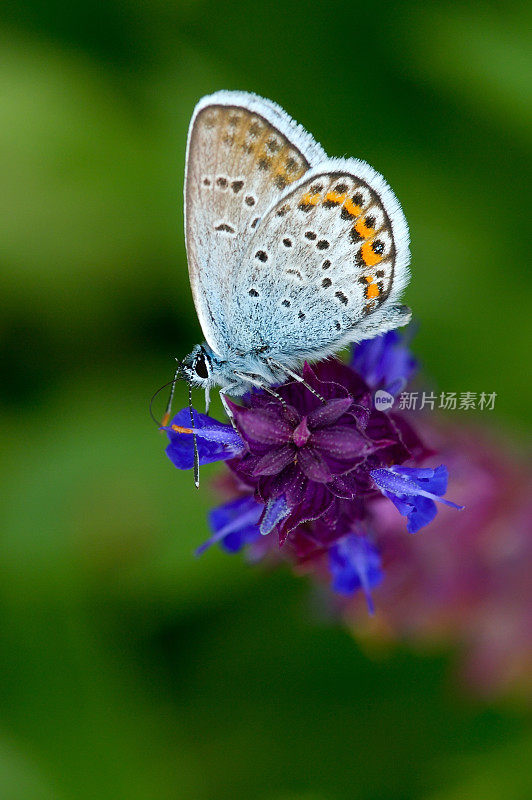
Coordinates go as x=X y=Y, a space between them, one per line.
x=216 y=441
x=315 y=453
x=413 y=491
x=242 y=521
x=384 y=362
x=234 y=524
x=309 y=463
x=355 y=564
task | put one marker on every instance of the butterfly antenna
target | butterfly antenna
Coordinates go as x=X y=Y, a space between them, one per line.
x=166 y=417
x=194 y=439
x=168 y=412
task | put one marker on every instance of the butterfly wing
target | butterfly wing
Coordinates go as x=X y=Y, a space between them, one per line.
x=242 y=153
x=325 y=267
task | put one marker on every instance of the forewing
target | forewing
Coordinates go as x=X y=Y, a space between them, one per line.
x=243 y=152
x=326 y=266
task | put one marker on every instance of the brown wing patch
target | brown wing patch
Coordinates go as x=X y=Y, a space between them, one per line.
x=253 y=143
x=238 y=164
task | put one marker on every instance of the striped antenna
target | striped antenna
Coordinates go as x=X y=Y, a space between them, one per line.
x=196 y=454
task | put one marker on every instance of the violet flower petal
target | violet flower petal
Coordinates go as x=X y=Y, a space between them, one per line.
x=313 y=465
x=384 y=362
x=342 y=442
x=344 y=486
x=234 y=524
x=413 y=491
x=355 y=564
x=274 y=461
x=328 y=413
x=422 y=511
x=331 y=378
x=216 y=441
x=316 y=501
x=295 y=486
x=274 y=513
x=262 y=425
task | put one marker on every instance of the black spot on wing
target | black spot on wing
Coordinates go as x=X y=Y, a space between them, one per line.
x=341 y=297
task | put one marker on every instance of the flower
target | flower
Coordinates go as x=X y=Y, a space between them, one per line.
x=328 y=506
x=310 y=462
x=242 y=521
x=234 y=524
x=316 y=448
x=216 y=441
x=413 y=491
x=355 y=564
x=384 y=362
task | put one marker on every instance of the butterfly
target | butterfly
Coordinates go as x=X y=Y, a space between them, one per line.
x=292 y=255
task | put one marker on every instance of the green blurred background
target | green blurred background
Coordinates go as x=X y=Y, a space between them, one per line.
x=129 y=669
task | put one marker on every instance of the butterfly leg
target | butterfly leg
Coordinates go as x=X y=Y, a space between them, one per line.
x=256 y=381
x=223 y=391
x=296 y=377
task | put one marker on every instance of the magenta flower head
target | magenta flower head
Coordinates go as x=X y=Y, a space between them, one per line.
x=317 y=450
x=311 y=462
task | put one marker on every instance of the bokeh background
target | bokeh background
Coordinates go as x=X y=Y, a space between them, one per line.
x=129 y=669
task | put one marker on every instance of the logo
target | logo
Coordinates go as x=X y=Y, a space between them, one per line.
x=382 y=400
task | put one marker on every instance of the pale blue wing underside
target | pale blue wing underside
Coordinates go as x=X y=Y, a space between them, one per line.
x=242 y=153
x=326 y=266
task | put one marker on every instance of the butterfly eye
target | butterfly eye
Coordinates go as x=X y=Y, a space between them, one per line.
x=200 y=365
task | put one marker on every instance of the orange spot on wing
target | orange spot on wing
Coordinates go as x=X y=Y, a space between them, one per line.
x=310 y=199
x=363 y=229
x=372 y=291
x=353 y=209
x=370 y=258
x=334 y=197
